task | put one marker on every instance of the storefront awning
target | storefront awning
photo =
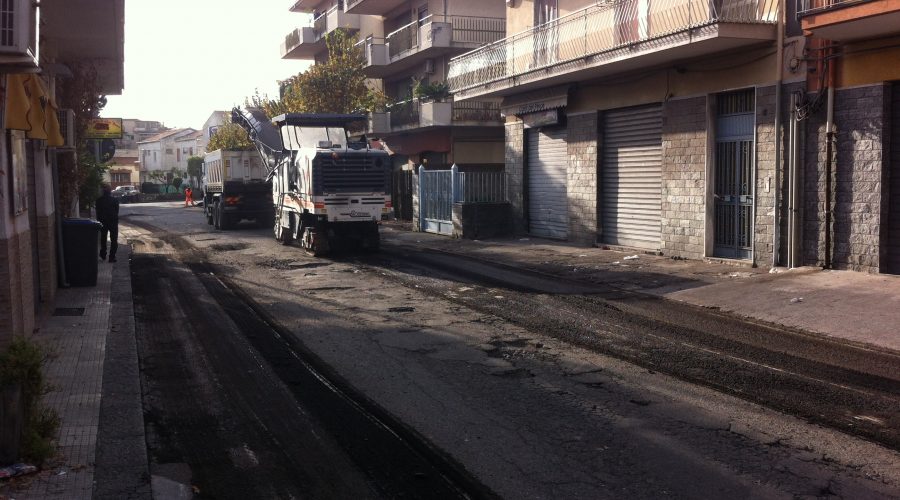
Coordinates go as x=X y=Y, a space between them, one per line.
x=30 y=108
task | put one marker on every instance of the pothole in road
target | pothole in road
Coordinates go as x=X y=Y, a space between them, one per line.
x=229 y=247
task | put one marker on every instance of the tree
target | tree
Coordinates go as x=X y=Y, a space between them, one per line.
x=229 y=136
x=337 y=85
x=195 y=168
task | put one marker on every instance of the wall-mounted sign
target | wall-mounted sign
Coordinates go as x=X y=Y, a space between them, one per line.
x=104 y=128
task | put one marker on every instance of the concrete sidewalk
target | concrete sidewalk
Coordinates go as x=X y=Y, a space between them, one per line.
x=843 y=305
x=89 y=334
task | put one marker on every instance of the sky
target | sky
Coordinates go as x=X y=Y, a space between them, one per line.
x=185 y=59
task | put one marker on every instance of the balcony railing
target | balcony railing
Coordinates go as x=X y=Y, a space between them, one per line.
x=805 y=7
x=598 y=29
x=476 y=111
x=466 y=30
x=404 y=114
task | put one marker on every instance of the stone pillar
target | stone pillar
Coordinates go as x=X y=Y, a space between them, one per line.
x=582 y=177
x=515 y=172
x=684 y=173
x=764 y=203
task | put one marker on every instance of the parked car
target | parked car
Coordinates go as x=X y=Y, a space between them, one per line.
x=125 y=193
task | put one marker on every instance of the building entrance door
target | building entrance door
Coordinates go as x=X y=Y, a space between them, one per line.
x=734 y=175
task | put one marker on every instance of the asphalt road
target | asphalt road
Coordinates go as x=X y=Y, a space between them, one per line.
x=504 y=387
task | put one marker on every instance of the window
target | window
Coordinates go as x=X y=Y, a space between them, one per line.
x=423 y=14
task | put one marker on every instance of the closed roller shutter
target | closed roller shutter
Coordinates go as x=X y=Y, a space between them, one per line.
x=547 y=204
x=631 y=177
x=893 y=250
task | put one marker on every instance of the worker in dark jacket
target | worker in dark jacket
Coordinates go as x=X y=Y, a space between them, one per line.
x=108 y=215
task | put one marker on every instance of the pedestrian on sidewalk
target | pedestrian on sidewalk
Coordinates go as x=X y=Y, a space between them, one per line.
x=108 y=215
x=188 y=196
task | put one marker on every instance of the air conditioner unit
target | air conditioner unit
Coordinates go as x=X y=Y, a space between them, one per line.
x=19 y=33
x=429 y=66
x=67 y=127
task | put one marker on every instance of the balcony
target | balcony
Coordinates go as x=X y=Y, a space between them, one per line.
x=436 y=35
x=373 y=7
x=307 y=41
x=610 y=38
x=414 y=114
x=846 y=20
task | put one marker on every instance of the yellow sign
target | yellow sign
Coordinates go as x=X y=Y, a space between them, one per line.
x=104 y=128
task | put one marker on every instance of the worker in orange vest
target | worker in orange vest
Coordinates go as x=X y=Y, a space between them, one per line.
x=188 y=196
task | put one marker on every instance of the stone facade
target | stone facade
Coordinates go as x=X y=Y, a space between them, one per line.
x=858 y=171
x=582 y=181
x=765 y=177
x=515 y=171
x=684 y=145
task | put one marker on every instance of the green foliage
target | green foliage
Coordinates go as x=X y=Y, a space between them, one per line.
x=434 y=91
x=195 y=167
x=90 y=178
x=337 y=85
x=20 y=364
x=229 y=136
x=176 y=182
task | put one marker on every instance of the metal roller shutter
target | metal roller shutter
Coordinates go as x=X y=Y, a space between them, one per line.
x=893 y=246
x=547 y=203
x=631 y=177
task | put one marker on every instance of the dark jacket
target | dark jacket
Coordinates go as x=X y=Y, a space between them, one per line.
x=108 y=210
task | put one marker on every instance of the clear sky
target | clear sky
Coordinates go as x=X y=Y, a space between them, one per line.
x=185 y=59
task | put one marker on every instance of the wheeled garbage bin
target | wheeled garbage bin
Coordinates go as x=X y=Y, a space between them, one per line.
x=81 y=240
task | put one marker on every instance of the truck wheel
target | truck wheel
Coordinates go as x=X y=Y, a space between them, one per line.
x=216 y=214
x=224 y=223
x=208 y=213
x=282 y=235
x=315 y=242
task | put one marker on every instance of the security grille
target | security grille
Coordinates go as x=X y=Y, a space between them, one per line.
x=734 y=175
x=547 y=193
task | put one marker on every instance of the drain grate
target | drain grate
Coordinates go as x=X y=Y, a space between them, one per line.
x=68 y=311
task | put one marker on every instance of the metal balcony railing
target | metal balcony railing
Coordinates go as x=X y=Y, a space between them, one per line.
x=600 y=28
x=476 y=111
x=806 y=7
x=465 y=30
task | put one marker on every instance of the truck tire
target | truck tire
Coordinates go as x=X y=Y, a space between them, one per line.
x=282 y=235
x=226 y=222
x=215 y=216
x=208 y=212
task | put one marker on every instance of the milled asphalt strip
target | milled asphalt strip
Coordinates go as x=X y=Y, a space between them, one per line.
x=121 y=467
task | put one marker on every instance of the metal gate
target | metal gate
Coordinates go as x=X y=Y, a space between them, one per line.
x=436 y=201
x=440 y=189
x=734 y=175
x=631 y=177
x=548 y=215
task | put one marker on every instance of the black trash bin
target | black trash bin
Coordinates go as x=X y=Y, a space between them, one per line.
x=81 y=240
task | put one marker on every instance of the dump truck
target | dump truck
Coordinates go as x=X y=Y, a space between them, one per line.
x=235 y=187
x=328 y=192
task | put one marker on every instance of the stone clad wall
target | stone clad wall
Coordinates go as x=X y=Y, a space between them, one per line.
x=515 y=171
x=765 y=176
x=858 y=170
x=582 y=178
x=684 y=145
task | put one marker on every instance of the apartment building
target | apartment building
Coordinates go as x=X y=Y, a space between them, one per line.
x=405 y=42
x=135 y=131
x=35 y=149
x=653 y=126
x=164 y=152
x=216 y=119
x=851 y=184
x=124 y=169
